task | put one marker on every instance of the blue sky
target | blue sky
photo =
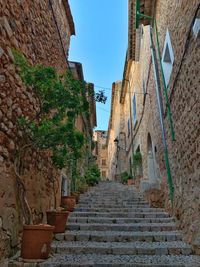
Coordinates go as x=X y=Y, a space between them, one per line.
x=100 y=45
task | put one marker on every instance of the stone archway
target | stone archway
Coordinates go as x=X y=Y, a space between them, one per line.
x=140 y=167
x=151 y=163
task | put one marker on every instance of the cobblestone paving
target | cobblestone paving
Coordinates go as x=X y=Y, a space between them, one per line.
x=114 y=226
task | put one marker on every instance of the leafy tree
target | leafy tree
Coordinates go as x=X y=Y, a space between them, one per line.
x=52 y=128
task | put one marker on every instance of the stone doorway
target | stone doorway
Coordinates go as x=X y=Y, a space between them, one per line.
x=151 y=162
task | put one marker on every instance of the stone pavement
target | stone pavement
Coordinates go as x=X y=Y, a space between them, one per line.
x=114 y=226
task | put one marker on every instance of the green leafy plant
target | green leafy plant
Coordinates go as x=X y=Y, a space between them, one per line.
x=137 y=162
x=61 y=98
x=124 y=177
x=92 y=174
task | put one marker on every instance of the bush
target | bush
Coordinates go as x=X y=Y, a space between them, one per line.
x=124 y=177
x=92 y=174
x=137 y=162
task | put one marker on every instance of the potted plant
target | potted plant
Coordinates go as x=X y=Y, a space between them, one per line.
x=57 y=217
x=51 y=130
x=69 y=202
x=130 y=180
x=76 y=194
x=126 y=178
x=36 y=241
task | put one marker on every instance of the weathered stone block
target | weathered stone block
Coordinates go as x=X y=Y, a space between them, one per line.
x=4 y=22
x=2 y=78
x=1 y=52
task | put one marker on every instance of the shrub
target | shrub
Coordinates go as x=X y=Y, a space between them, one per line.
x=92 y=174
x=124 y=177
x=137 y=161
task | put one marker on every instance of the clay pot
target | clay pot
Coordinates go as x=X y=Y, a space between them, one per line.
x=36 y=241
x=68 y=202
x=130 y=182
x=57 y=219
x=76 y=195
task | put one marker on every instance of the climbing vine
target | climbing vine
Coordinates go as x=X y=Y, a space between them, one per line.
x=61 y=99
x=52 y=128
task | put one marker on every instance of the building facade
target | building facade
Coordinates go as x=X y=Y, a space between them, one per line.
x=85 y=123
x=160 y=97
x=116 y=140
x=100 y=152
x=41 y=30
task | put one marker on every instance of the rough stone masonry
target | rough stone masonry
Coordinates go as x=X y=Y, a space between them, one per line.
x=30 y=27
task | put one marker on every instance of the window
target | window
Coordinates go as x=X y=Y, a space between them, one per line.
x=134 y=111
x=196 y=27
x=167 y=58
x=103 y=162
x=129 y=129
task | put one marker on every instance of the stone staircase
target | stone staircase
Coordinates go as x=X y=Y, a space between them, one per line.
x=114 y=226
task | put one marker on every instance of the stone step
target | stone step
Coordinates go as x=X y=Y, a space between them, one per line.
x=122 y=227
x=124 y=206
x=118 y=209
x=119 y=236
x=111 y=199
x=97 y=260
x=114 y=205
x=118 y=220
x=122 y=248
x=114 y=195
x=120 y=214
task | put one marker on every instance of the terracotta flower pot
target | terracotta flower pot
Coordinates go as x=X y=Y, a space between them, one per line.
x=57 y=219
x=76 y=195
x=36 y=241
x=130 y=182
x=68 y=202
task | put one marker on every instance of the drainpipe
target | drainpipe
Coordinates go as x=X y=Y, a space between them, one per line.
x=131 y=117
x=160 y=109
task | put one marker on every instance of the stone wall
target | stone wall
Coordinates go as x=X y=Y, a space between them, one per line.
x=29 y=27
x=63 y=22
x=116 y=135
x=184 y=94
x=102 y=152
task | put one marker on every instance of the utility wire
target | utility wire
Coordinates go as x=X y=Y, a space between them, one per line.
x=116 y=91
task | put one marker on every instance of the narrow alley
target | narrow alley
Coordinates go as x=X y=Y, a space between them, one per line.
x=113 y=226
x=99 y=133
